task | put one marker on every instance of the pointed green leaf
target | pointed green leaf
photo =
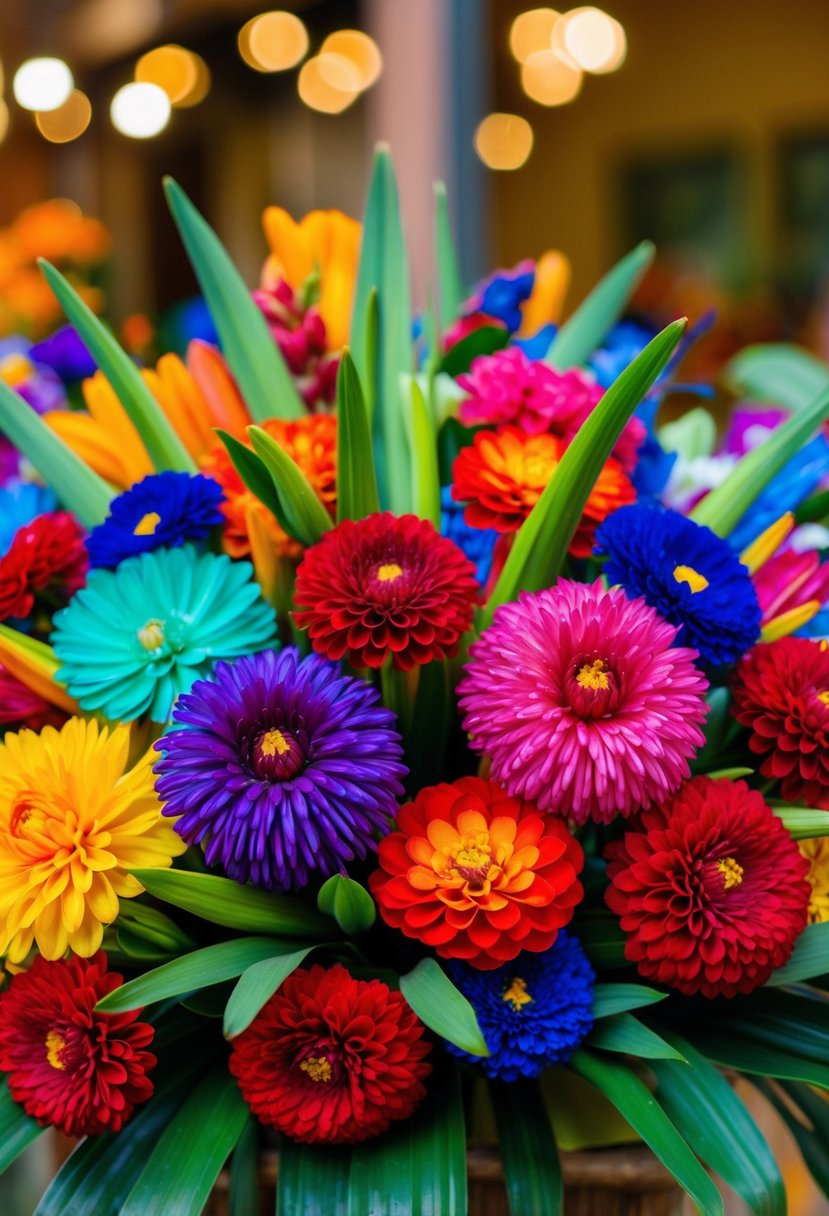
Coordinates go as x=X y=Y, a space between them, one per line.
x=255 y=988
x=540 y=546
x=432 y=720
x=444 y=1009
x=80 y=490
x=312 y=1179
x=17 y=1129
x=728 y=1049
x=809 y=1126
x=619 y=998
x=694 y=434
x=447 y=268
x=154 y=927
x=164 y=448
x=813 y=510
x=252 y=470
x=777 y=372
x=626 y=1034
x=528 y=1150
x=300 y=512
x=424 y=452
x=356 y=478
x=263 y=378
x=729 y=774
x=586 y=329
x=801 y=822
x=484 y=341
x=348 y=902
x=809 y=958
x=243 y=1195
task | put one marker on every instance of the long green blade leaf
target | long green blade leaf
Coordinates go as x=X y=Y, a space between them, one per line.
x=809 y=958
x=447 y=268
x=528 y=1151
x=255 y=988
x=424 y=452
x=438 y=1003
x=300 y=511
x=619 y=998
x=17 y=1129
x=251 y=468
x=748 y=1055
x=356 y=478
x=243 y=1195
x=777 y=372
x=625 y=1034
x=312 y=1179
x=254 y=358
x=579 y=336
x=802 y=822
x=163 y=445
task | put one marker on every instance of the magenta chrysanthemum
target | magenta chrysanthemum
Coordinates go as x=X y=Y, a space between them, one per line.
x=582 y=703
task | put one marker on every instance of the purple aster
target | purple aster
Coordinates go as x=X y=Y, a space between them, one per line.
x=282 y=768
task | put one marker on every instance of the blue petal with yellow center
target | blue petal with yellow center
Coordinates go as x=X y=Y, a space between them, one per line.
x=162 y=511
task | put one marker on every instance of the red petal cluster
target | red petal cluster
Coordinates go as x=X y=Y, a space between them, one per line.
x=711 y=890
x=72 y=1068
x=331 y=1059
x=47 y=552
x=476 y=874
x=781 y=691
x=385 y=586
x=21 y=706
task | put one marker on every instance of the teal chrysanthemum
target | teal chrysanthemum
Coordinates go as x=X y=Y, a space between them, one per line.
x=135 y=638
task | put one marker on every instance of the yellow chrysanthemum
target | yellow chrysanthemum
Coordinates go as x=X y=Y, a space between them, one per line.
x=72 y=823
x=817 y=853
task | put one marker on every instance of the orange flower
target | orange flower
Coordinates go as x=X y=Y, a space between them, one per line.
x=476 y=874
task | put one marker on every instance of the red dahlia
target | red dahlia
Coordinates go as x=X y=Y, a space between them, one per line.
x=46 y=553
x=385 y=585
x=710 y=888
x=781 y=691
x=331 y=1059
x=69 y=1067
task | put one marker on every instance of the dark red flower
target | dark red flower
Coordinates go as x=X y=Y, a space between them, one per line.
x=781 y=692
x=711 y=890
x=21 y=706
x=331 y=1059
x=385 y=585
x=47 y=553
x=69 y=1067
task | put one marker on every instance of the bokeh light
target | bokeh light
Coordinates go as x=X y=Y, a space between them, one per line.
x=183 y=75
x=273 y=42
x=328 y=83
x=548 y=79
x=503 y=141
x=42 y=84
x=593 y=39
x=140 y=110
x=532 y=31
x=360 y=50
x=68 y=121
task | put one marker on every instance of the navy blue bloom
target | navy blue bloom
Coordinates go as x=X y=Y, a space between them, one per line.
x=533 y=1011
x=160 y=512
x=476 y=543
x=502 y=294
x=281 y=767
x=65 y=353
x=687 y=573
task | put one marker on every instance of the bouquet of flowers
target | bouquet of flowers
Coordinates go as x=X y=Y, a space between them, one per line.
x=404 y=737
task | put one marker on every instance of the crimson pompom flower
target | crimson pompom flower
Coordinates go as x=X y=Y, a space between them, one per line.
x=502 y=475
x=385 y=586
x=332 y=1060
x=46 y=554
x=711 y=890
x=781 y=692
x=582 y=701
x=476 y=874
x=69 y=1067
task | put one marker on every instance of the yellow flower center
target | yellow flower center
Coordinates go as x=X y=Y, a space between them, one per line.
x=732 y=872
x=593 y=675
x=147 y=524
x=687 y=574
x=389 y=572
x=516 y=995
x=823 y=696
x=817 y=853
x=274 y=743
x=151 y=635
x=317 y=1068
x=55 y=1044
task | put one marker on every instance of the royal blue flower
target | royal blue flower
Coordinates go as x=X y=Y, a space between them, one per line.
x=623 y=343
x=533 y=1011
x=653 y=463
x=281 y=767
x=160 y=512
x=687 y=573
x=476 y=543
x=536 y=346
x=65 y=353
x=502 y=294
x=799 y=478
x=20 y=503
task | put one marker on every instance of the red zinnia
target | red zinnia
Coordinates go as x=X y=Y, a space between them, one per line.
x=711 y=890
x=385 y=585
x=331 y=1059
x=476 y=874
x=72 y=1068
x=781 y=691
x=45 y=553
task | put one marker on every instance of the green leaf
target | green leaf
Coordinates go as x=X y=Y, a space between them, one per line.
x=431 y=722
x=746 y=1055
x=210 y=965
x=300 y=511
x=419 y=1165
x=586 y=329
x=383 y=266
x=777 y=372
x=618 y=998
x=225 y=902
x=164 y=448
x=633 y=1099
x=424 y=454
x=694 y=434
x=264 y=380
x=443 y=1008
x=707 y=1112
x=540 y=546
x=626 y=1034
x=243 y=1196
x=809 y=958
x=813 y=1141
x=17 y=1129
x=348 y=902
x=186 y=1161
x=153 y=927
x=448 y=272
x=723 y=508
x=802 y=822
x=356 y=478
x=716 y=724
x=783 y=1020
x=80 y=490
x=528 y=1150
x=813 y=510
x=484 y=341
x=312 y=1180
x=255 y=988
x=603 y=941
x=729 y=774
x=252 y=470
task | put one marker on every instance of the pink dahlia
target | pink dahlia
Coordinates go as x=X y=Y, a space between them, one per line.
x=508 y=388
x=582 y=702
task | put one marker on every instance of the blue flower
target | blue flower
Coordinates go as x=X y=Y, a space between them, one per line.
x=533 y=1011
x=160 y=512
x=476 y=543
x=536 y=346
x=502 y=294
x=687 y=573
x=625 y=341
x=799 y=478
x=653 y=464
x=66 y=354
x=20 y=503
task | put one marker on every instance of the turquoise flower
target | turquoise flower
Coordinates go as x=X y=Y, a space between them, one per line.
x=135 y=638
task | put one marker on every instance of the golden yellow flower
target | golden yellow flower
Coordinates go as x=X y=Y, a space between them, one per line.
x=817 y=853
x=72 y=823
